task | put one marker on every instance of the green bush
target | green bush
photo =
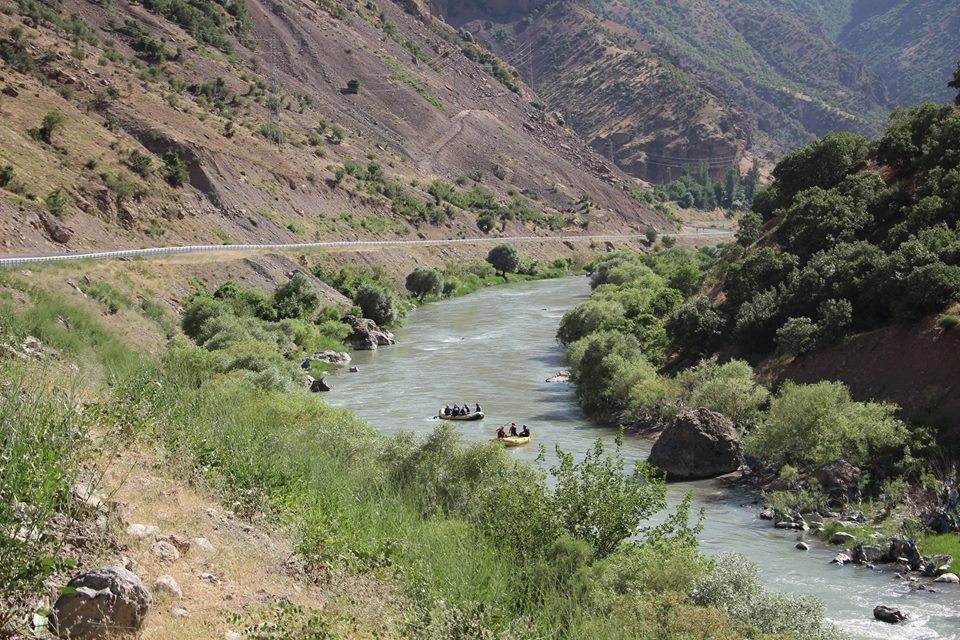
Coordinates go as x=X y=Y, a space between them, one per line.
x=57 y=201
x=797 y=335
x=140 y=163
x=174 y=169
x=423 y=281
x=734 y=586
x=42 y=445
x=378 y=303
x=296 y=298
x=730 y=388
x=810 y=425
x=504 y=258
x=6 y=175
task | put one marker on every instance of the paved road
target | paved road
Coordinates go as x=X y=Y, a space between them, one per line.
x=13 y=261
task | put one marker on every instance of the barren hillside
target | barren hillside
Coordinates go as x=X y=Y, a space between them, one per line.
x=194 y=121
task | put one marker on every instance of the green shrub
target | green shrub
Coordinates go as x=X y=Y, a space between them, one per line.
x=423 y=281
x=797 y=335
x=810 y=425
x=378 y=303
x=57 y=201
x=734 y=586
x=6 y=175
x=174 y=169
x=730 y=388
x=42 y=445
x=140 y=163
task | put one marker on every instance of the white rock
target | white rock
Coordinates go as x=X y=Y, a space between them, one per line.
x=949 y=578
x=165 y=551
x=142 y=531
x=202 y=544
x=802 y=546
x=180 y=613
x=167 y=584
x=842 y=537
x=232 y=635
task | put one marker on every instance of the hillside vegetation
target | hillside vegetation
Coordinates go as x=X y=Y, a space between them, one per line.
x=425 y=525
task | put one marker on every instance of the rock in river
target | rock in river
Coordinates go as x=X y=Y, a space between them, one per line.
x=888 y=614
x=698 y=444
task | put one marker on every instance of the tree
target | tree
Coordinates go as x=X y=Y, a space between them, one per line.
x=52 y=122
x=810 y=425
x=730 y=188
x=669 y=241
x=296 y=298
x=651 y=233
x=599 y=503
x=797 y=335
x=353 y=86
x=750 y=228
x=752 y=182
x=174 y=169
x=819 y=219
x=762 y=269
x=422 y=281
x=377 y=303
x=505 y=259
x=821 y=164
x=694 y=328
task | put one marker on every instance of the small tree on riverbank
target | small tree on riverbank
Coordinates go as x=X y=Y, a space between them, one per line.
x=505 y=259
x=421 y=282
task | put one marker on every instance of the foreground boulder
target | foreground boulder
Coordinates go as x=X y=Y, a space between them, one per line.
x=698 y=444
x=108 y=603
x=366 y=335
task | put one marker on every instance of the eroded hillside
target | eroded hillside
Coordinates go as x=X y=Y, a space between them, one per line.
x=197 y=122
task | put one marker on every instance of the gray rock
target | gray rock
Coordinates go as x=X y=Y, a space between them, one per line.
x=869 y=553
x=179 y=612
x=697 y=444
x=948 y=578
x=142 y=531
x=766 y=514
x=888 y=614
x=167 y=584
x=354 y=369
x=165 y=551
x=838 y=478
x=366 y=335
x=796 y=526
x=802 y=546
x=318 y=386
x=178 y=541
x=842 y=537
x=330 y=357
x=202 y=544
x=841 y=559
x=107 y=603
x=559 y=377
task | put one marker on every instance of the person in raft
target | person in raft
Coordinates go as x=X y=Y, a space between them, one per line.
x=478 y=409
x=513 y=429
x=501 y=433
x=525 y=432
x=446 y=410
x=456 y=410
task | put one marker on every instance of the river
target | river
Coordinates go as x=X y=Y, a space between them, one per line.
x=497 y=347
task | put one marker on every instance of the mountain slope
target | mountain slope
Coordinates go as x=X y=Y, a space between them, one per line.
x=192 y=121
x=663 y=86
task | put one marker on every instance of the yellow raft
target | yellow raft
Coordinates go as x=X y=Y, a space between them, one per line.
x=514 y=441
x=476 y=415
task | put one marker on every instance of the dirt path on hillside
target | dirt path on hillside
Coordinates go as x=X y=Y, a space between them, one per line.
x=425 y=165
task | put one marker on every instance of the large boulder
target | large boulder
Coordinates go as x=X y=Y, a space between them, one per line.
x=107 y=603
x=888 y=614
x=366 y=335
x=330 y=357
x=698 y=444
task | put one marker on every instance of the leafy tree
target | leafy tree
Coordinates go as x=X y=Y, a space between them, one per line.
x=605 y=366
x=378 y=303
x=486 y=221
x=822 y=164
x=694 y=328
x=669 y=241
x=749 y=228
x=836 y=316
x=296 y=298
x=810 y=425
x=730 y=188
x=6 y=175
x=730 y=389
x=198 y=313
x=504 y=258
x=589 y=317
x=752 y=181
x=651 y=233
x=422 y=281
x=174 y=169
x=600 y=503
x=818 y=219
x=52 y=122
x=760 y=270
x=929 y=288
x=797 y=335
x=757 y=320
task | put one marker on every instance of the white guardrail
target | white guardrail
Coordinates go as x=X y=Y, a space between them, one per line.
x=13 y=261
